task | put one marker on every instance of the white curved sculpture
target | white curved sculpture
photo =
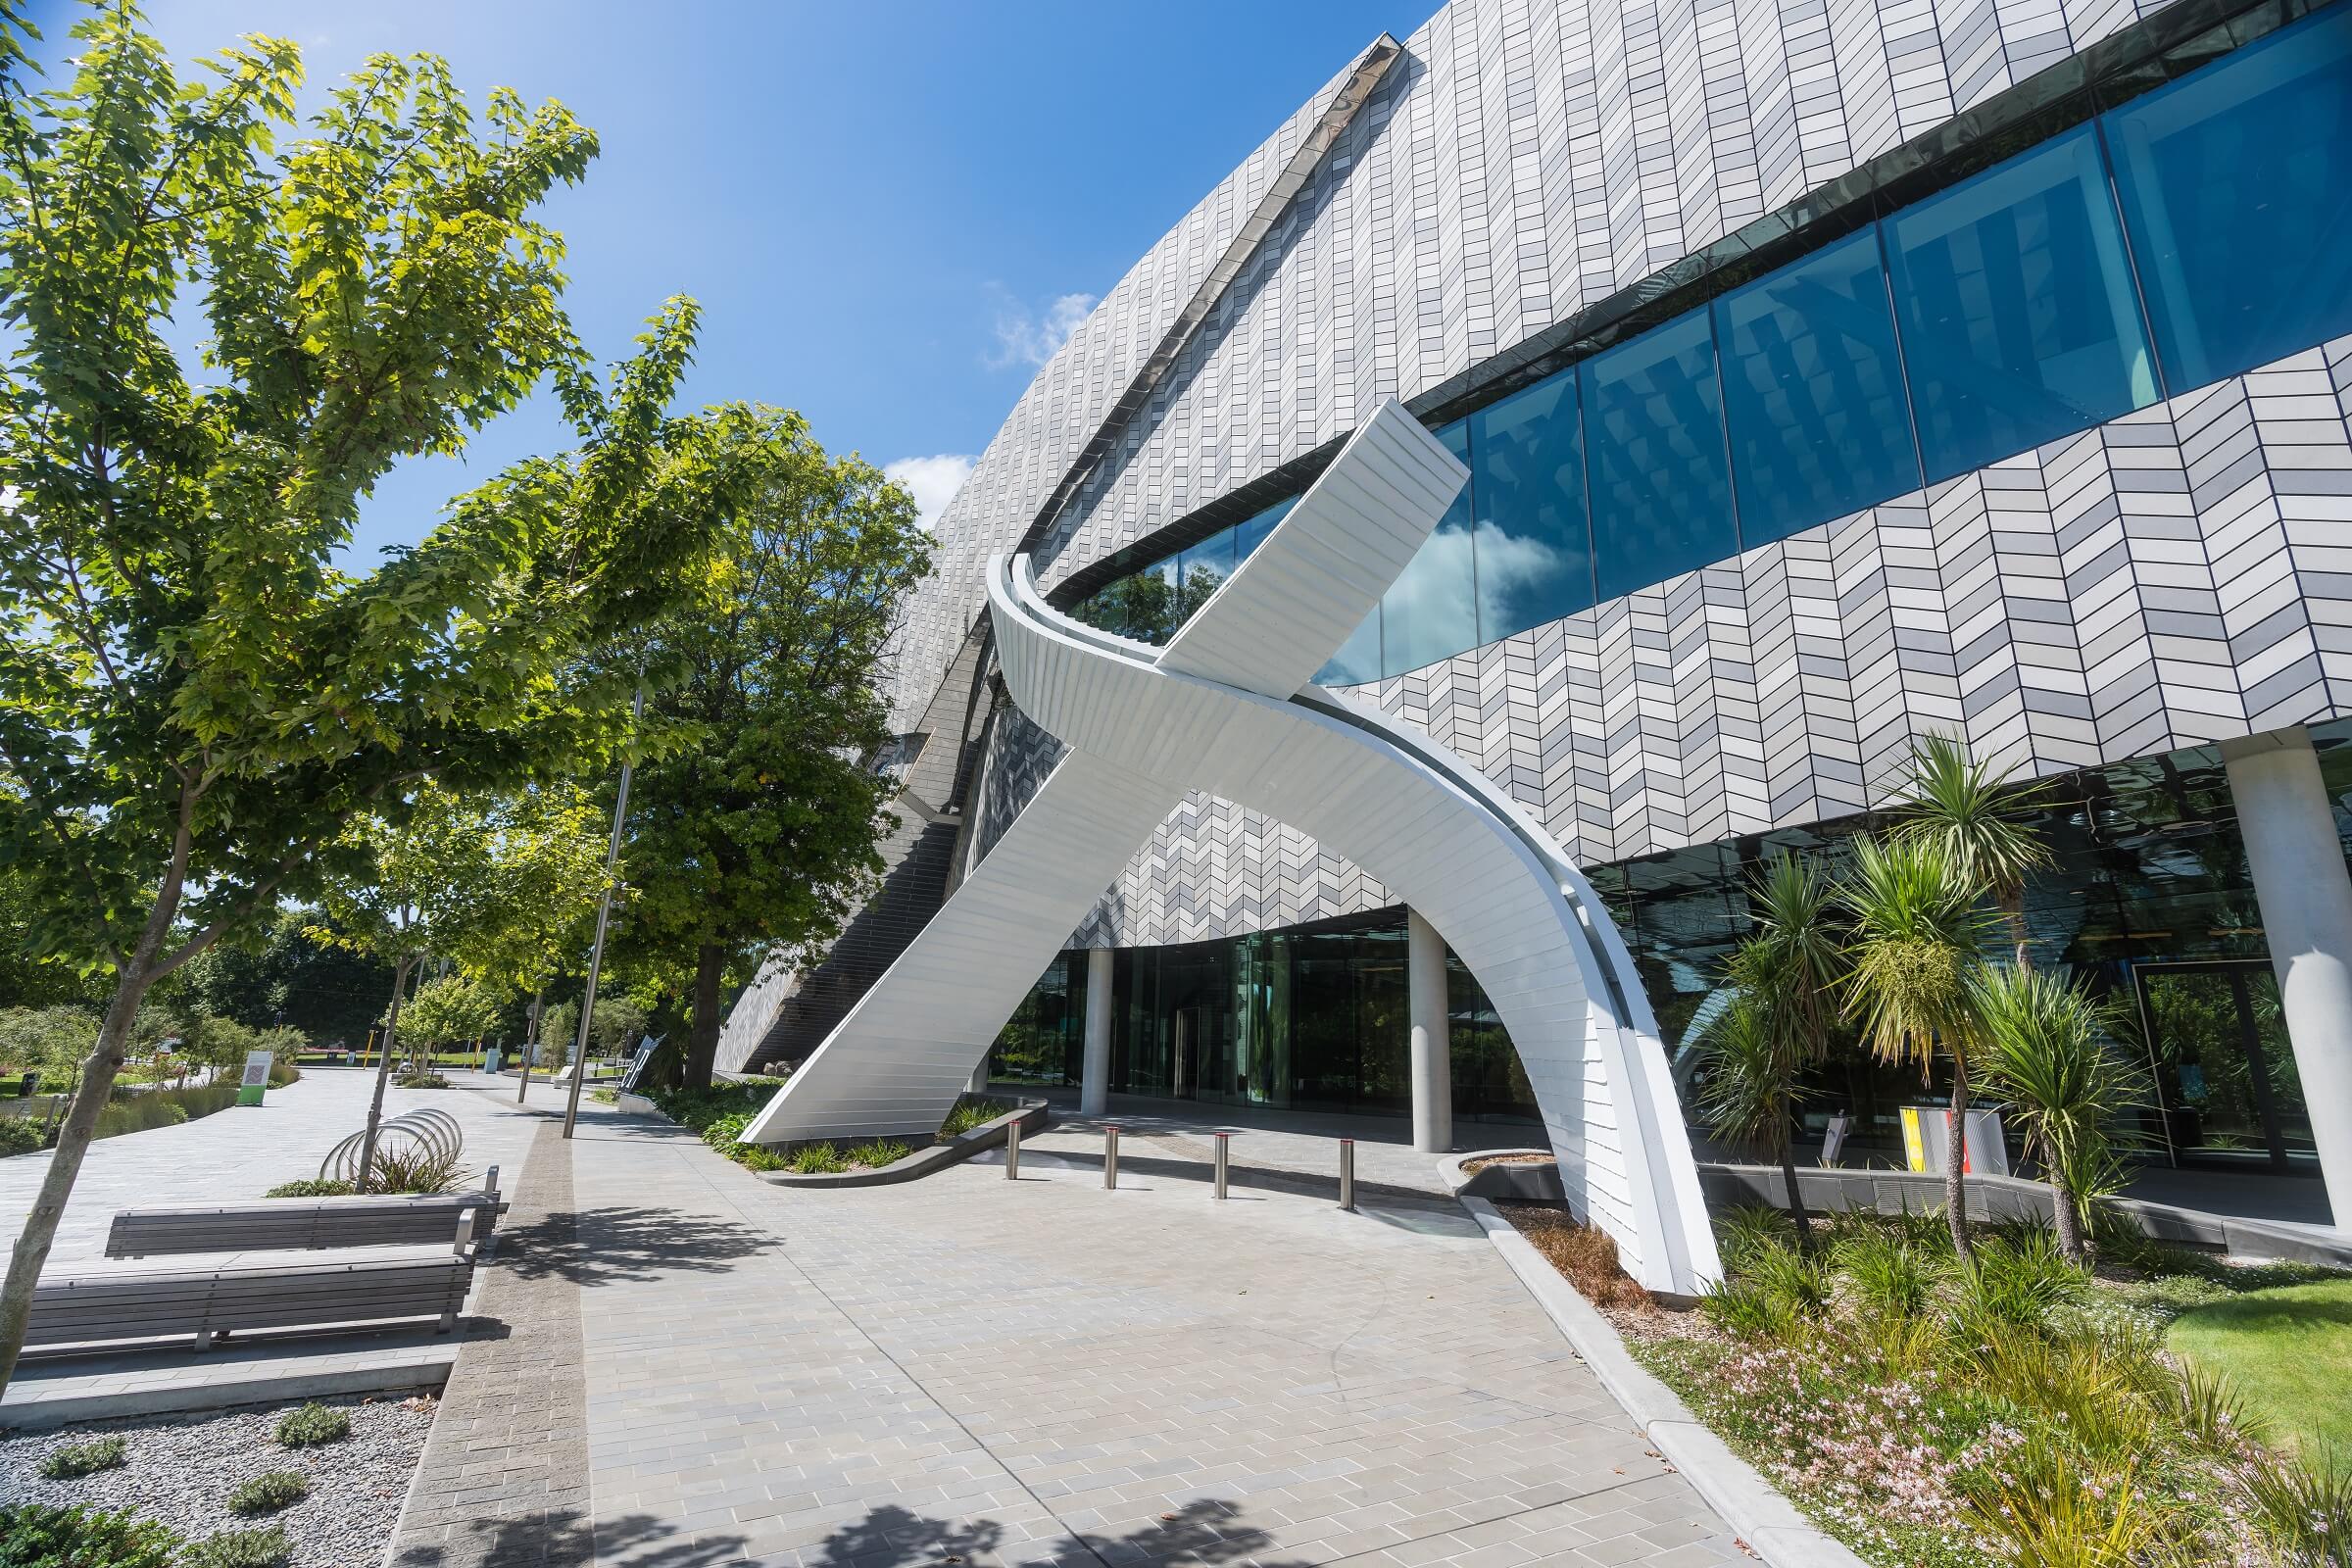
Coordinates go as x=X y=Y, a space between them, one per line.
x=1228 y=707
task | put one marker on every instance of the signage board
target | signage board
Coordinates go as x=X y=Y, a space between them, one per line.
x=256 y=1081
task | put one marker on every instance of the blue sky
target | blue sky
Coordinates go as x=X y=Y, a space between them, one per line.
x=891 y=211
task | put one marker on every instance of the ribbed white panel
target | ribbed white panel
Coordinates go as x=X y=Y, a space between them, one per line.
x=1221 y=709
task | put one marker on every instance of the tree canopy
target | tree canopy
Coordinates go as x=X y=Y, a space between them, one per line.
x=758 y=826
x=196 y=699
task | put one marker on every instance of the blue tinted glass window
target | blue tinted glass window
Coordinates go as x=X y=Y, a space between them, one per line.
x=2019 y=323
x=2236 y=183
x=1431 y=611
x=1662 y=486
x=1201 y=571
x=1534 y=551
x=1813 y=392
x=1249 y=535
x=1357 y=662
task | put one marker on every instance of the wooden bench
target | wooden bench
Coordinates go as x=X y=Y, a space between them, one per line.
x=204 y=1297
x=302 y=1224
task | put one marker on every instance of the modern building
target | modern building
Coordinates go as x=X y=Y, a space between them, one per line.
x=1826 y=376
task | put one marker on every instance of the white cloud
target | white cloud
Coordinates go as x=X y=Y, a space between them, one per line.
x=933 y=482
x=1026 y=336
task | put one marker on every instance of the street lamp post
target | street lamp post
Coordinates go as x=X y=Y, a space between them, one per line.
x=604 y=916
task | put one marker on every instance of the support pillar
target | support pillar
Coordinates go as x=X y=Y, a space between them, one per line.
x=1093 y=1084
x=1433 y=1044
x=2306 y=901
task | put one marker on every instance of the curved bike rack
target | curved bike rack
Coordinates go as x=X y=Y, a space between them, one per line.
x=436 y=1132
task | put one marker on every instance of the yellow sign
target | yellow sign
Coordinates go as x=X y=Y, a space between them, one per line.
x=1915 y=1146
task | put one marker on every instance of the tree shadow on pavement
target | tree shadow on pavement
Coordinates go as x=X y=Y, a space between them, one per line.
x=1204 y=1531
x=610 y=1245
x=566 y=1538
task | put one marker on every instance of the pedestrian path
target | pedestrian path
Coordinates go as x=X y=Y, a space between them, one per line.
x=239 y=1153
x=1042 y=1371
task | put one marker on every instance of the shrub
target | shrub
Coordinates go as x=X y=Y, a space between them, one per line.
x=970 y=1113
x=1740 y=1232
x=817 y=1159
x=2210 y=1409
x=1796 y=1284
x=312 y=1425
x=722 y=1132
x=35 y=1536
x=310 y=1186
x=2305 y=1507
x=2047 y=1509
x=1886 y=1273
x=269 y=1493
x=414 y=1169
x=759 y=1156
x=1742 y=1312
x=879 y=1153
x=239 y=1548
x=21 y=1135
x=421 y=1080
x=2018 y=1276
x=78 y=1459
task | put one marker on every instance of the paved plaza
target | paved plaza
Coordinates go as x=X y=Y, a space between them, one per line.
x=970 y=1369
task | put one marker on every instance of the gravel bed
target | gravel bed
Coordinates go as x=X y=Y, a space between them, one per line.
x=180 y=1470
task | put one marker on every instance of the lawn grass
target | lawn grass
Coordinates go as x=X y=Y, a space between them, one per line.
x=2289 y=1350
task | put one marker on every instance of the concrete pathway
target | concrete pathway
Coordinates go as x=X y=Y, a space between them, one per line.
x=966 y=1369
x=244 y=1150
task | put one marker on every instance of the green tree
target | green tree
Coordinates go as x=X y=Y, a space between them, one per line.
x=50 y=1040
x=453 y=1010
x=1981 y=826
x=1787 y=976
x=1912 y=959
x=286 y=975
x=2046 y=1051
x=761 y=830
x=194 y=699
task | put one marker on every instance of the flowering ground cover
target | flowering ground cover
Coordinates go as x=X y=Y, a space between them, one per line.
x=2013 y=1410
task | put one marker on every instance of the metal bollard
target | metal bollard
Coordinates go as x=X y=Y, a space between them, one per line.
x=1224 y=1148
x=1013 y=1153
x=1111 y=1157
x=1347 y=1174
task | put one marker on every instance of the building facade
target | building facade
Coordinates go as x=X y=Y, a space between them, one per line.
x=1826 y=376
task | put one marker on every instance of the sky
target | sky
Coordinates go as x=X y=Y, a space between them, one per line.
x=892 y=213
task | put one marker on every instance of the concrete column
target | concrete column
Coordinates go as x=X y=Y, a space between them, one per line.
x=1433 y=1047
x=2306 y=901
x=1093 y=1084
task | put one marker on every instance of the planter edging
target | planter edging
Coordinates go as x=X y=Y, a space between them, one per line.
x=1031 y=1115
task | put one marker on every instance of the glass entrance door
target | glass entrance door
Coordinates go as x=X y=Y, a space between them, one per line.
x=2225 y=1070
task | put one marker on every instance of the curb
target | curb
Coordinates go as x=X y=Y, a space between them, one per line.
x=1756 y=1511
x=424 y=1376
x=1031 y=1115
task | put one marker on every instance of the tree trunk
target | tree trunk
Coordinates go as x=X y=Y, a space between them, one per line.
x=2013 y=914
x=2067 y=1219
x=1955 y=1161
x=530 y=1044
x=701 y=1054
x=90 y=1094
x=384 y=1073
x=1797 y=1197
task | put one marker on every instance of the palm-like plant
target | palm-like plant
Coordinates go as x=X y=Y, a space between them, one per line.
x=1979 y=822
x=1749 y=1093
x=2044 y=1048
x=1916 y=933
x=1787 y=976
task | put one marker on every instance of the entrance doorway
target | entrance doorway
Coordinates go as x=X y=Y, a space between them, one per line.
x=2226 y=1081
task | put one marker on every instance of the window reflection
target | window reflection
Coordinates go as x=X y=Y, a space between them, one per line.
x=2237 y=187
x=1661 y=485
x=1813 y=392
x=2018 y=316
x=2012 y=322
x=1431 y=611
x=1534 y=546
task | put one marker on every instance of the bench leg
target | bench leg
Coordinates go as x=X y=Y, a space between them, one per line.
x=449 y=1321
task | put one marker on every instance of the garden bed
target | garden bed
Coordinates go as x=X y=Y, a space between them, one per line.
x=181 y=1470
x=2016 y=1413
